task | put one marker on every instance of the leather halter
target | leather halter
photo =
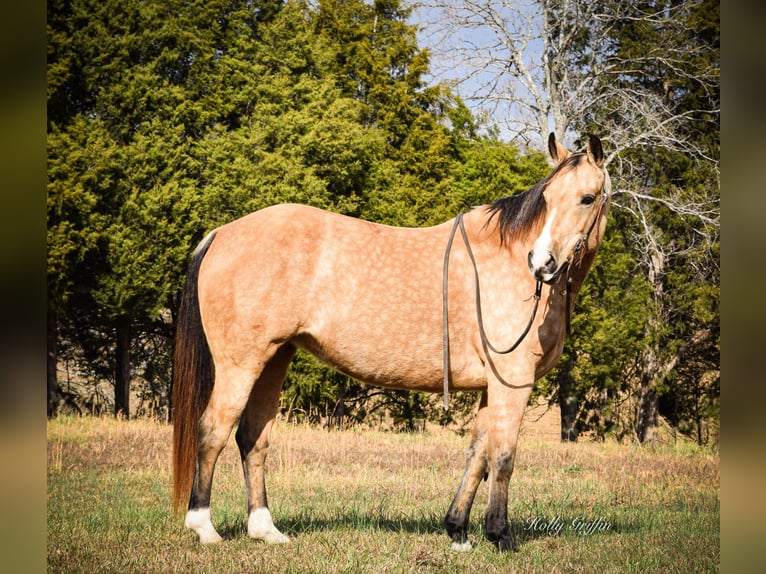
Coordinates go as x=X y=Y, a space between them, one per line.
x=581 y=244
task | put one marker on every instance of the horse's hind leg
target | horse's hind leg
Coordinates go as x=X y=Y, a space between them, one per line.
x=459 y=511
x=253 y=441
x=227 y=401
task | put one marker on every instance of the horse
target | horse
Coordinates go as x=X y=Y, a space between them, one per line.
x=389 y=306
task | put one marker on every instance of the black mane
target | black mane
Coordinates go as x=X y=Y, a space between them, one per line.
x=518 y=214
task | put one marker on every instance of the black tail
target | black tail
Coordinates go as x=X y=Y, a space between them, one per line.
x=193 y=374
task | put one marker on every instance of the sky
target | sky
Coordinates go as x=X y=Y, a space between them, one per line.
x=459 y=53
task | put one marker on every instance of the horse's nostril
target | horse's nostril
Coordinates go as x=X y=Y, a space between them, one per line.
x=551 y=261
x=548 y=265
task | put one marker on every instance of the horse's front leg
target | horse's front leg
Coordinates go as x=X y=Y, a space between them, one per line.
x=504 y=413
x=459 y=511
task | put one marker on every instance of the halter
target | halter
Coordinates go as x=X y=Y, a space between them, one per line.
x=581 y=243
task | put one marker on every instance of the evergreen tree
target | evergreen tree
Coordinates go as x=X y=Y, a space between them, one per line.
x=168 y=119
x=378 y=63
x=137 y=86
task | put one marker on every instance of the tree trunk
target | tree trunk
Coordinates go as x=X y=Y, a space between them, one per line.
x=651 y=373
x=340 y=407
x=655 y=371
x=122 y=371
x=569 y=401
x=54 y=394
x=646 y=427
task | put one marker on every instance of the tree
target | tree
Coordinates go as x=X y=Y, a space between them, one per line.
x=378 y=64
x=167 y=119
x=136 y=86
x=676 y=190
x=79 y=167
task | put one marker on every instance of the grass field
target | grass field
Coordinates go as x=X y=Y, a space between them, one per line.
x=370 y=501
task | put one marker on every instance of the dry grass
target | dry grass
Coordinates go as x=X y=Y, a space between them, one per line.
x=367 y=501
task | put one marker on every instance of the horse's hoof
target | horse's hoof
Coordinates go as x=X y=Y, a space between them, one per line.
x=210 y=538
x=461 y=546
x=261 y=527
x=275 y=537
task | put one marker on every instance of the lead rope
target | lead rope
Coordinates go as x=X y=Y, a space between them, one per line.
x=479 y=319
x=445 y=311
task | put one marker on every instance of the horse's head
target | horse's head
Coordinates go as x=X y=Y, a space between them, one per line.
x=576 y=199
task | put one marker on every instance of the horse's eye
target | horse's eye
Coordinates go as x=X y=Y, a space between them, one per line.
x=587 y=199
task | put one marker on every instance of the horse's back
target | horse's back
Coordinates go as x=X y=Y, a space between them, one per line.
x=306 y=242
x=356 y=293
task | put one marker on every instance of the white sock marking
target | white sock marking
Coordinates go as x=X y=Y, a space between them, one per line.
x=261 y=526
x=199 y=521
x=462 y=546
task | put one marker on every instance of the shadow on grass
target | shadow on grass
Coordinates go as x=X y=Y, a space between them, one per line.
x=294 y=525
x=523 y=529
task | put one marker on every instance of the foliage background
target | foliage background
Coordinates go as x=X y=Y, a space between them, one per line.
x=167 y=119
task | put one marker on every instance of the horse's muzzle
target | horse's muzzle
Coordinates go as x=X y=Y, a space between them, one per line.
x=547 y=272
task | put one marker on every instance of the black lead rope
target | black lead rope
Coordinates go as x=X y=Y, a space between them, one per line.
x=480 y=321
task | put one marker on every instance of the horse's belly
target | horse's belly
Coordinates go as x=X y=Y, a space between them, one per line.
x=371 y=359
x=380 y=361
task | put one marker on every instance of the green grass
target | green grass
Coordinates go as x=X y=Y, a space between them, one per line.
x=368 y=501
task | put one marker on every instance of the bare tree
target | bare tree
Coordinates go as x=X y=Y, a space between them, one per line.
x=536 y=66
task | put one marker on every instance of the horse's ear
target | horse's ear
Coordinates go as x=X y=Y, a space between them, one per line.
x=595 y=151
x=558 y=152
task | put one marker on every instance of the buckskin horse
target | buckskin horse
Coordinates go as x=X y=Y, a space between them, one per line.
x=405 y=308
